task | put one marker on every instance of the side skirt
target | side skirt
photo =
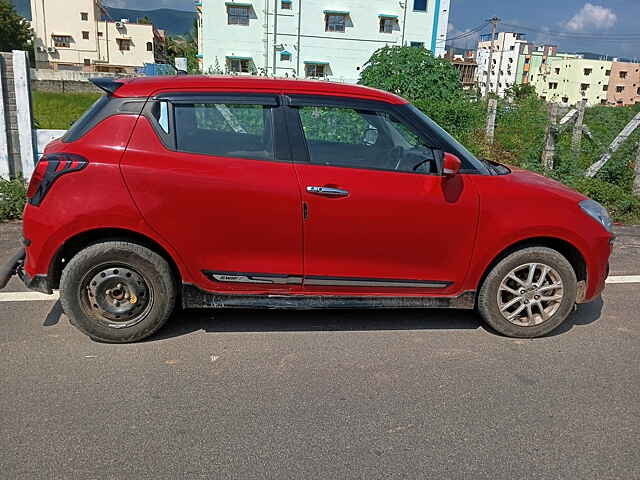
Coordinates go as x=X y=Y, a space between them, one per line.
x=194 y=297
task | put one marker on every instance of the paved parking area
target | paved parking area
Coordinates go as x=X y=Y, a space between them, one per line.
x=358 y=394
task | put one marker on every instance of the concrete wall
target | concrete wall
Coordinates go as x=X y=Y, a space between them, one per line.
x=66 y=81
x=344 y=53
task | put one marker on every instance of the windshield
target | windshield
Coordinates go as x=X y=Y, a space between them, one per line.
x=469 y=161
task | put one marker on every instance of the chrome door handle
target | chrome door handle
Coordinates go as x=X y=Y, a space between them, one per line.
x=328 y=191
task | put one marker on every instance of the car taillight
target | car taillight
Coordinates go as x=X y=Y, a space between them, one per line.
x=48 y=170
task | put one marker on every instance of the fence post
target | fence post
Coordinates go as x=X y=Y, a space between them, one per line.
x=636 y=180
x=23 y=111
x=5 y=168
x=615 y=145
x=491 y=119
x=577 y=128
x=550 y=138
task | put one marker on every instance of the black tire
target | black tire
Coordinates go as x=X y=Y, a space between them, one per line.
x=488 y=297
x=149 y=296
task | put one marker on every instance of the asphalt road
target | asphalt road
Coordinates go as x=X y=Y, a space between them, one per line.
x=331 y=395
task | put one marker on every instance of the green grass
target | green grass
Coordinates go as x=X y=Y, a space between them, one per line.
x=59 y=110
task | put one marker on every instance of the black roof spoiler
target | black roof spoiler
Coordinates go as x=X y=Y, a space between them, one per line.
x=107 y=84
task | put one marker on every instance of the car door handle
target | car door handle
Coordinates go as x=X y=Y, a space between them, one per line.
x=327 y=191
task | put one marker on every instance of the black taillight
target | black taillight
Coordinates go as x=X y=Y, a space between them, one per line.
x=48 y=170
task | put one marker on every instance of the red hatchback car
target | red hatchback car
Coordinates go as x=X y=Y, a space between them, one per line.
x=267 y=193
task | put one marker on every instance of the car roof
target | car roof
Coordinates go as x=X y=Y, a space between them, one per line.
x=148 y=86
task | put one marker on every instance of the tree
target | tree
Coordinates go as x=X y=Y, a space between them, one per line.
x=145 y=20
x=15 y=32
x=187 y=47
x=413 y=73
x=520 y=91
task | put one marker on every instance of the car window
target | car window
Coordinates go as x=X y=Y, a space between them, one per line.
x=349 y=137
x=227 y=130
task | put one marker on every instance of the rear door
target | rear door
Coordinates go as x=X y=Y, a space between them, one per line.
x=212 y=175
x=378 y=216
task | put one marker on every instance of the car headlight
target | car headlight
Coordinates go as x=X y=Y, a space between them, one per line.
x=597 y=211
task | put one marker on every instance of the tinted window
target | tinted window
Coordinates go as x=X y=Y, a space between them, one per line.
x=365 y=139
x=226 y=130
x=420 y=5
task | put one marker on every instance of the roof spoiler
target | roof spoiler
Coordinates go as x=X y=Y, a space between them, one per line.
x=107 y=84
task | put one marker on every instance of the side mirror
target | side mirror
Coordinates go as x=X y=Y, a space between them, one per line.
x=370 y=136
x=451 y=165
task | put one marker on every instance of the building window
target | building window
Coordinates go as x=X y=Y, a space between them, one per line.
x=619 y=89
x=420 y=5
x=335 y=22
x=124 y=44
x=638 y=91
x=84 y=16
x=512 y=47
x=87 y=62
x=607 y=73
x=85 y=35
x=557 y=71
x=417 y=44
x=238 y=15
x=285 y=5
x=587 y=72
x=565 y=99
x=100 y=34
x=61 y=41
x=553 y=86
x=584 y=87
x=149 y=46
x=605 y=88
x=285 y=56
x=239 y=65
x=623 y=75
x=314 y=70
x=387 y=24
x=527 y=61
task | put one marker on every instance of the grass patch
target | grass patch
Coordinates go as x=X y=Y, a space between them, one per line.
x=58 y=111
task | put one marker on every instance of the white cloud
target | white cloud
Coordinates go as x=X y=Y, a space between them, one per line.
x=592 y=17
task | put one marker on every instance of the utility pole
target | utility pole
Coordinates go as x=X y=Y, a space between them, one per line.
x=577 y=128
x=494 y=25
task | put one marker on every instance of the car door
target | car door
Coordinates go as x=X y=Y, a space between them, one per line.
x=212 y=175
x=379 y=218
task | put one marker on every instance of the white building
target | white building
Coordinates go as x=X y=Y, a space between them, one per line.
x=499 y=69
x=313 y=38
x=72 y=35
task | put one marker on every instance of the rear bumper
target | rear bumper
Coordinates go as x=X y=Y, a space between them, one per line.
x=12 y=267
x=15 y=266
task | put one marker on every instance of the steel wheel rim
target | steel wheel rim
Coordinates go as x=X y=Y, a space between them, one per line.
x=116 y=295
x=530 y=294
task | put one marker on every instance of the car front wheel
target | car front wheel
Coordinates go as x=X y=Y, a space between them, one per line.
x=117 y=291
x=529 y=293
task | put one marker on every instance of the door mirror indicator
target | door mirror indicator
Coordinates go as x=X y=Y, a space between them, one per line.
x=451 y=165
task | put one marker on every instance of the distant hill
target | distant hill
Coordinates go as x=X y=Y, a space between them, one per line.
x=175 y=22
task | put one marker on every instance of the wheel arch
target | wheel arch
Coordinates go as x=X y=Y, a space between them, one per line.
x=565 y=248
x=80 y=241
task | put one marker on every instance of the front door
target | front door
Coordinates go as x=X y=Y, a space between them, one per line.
x=208 y=174
x=378 y=216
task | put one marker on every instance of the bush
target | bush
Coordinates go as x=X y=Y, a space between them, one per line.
x=12 y=199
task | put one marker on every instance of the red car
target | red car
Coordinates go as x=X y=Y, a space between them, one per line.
x=243 y=192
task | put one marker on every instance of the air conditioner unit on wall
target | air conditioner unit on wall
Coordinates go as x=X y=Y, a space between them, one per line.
x=119 y=25
x=51 y=49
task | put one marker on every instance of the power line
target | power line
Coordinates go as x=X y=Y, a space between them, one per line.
x=469 y=33
x=578 y=36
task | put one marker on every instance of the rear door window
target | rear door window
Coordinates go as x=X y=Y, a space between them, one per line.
x=225 y=129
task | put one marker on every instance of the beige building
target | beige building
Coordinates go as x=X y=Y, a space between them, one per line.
x=567 y=81
x=78 y=35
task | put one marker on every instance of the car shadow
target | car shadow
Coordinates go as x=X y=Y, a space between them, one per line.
x=243 y=321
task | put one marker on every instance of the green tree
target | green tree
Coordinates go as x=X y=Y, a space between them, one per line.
x=412 y=73
x=520 y=91
x=185 y=46
x=15 y=32
x=145 y=20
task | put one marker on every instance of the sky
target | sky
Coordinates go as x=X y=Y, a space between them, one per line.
x=591 y=25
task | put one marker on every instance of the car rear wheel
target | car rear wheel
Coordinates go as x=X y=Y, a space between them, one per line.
x=117 y=291
x=529 y=293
